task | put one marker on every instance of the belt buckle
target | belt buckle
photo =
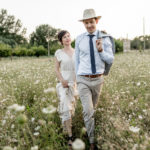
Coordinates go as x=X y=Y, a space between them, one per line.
x=92 y=76
x=89 y=76
x=96 y=75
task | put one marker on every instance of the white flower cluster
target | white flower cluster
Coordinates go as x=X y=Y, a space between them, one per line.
x=36 y=82
x=78 y=144
x=134 y=129
x=7 y=148
x=36 y=133
x=17 y=108
x=49 y=110
x=50 y=90
x=34 y=147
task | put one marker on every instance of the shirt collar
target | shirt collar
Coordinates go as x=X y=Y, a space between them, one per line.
x=94 y=33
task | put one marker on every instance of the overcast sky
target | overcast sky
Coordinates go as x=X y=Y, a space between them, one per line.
x=119 y=17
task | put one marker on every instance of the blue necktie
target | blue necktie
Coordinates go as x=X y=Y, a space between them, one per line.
x=93 y=67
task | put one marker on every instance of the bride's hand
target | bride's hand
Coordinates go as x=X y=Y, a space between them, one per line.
x=64 y=83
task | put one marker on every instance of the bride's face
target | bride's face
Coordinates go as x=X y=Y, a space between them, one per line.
x=66 y=39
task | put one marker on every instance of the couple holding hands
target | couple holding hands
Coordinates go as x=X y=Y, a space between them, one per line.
x=85 y=67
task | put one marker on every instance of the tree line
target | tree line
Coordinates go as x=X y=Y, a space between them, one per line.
x=13 y=41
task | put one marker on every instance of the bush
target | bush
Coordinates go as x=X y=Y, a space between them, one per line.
x=19 y=51
x=33 y=51
x=5 y=50
x=30 y=52
x=54 y=46
x=118 y=45
x=39 y=51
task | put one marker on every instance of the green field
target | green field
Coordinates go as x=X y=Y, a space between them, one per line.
x=122 y=117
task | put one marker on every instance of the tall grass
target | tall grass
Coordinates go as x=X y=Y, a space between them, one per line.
x=122 y=116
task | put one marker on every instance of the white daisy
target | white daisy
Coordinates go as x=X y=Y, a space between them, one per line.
x=78 y=144
x=36 y=133
x=49 y=110
x=34 y=147
x=7 y=148
x=134 y=129
x=16 y=108
x=49 y=90
x=37 y=128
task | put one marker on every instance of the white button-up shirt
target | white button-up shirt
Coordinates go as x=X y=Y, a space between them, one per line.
x=82 y=54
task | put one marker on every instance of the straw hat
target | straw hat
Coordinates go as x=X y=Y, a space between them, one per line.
x=89 y=13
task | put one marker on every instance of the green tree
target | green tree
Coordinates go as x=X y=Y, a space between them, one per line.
x=147 y=41
x=73 y=43
x=43 y=34
x=136 y=43
x=11 y=31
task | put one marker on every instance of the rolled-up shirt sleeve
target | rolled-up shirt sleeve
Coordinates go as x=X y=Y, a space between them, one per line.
x=107 y=53
x=77 y=52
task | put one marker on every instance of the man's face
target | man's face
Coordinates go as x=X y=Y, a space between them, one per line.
x=90 y=24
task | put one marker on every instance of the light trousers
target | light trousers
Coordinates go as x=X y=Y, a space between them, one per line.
x=89 y=91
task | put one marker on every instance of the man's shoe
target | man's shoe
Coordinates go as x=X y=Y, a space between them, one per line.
x=93 y=147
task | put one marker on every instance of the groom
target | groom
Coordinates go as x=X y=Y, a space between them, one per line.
x=90 y=57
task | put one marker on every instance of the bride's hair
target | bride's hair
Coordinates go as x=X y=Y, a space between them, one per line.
x=61 y=34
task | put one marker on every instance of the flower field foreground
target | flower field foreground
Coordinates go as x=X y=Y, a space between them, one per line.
x=28 y=106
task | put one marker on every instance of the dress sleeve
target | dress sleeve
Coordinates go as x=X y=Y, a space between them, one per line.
x=58 y=55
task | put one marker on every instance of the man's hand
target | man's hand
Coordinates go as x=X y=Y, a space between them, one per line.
x=64 y=83
x=99 y=45
x=103 y=31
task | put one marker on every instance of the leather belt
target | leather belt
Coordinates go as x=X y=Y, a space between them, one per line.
x=92 y=76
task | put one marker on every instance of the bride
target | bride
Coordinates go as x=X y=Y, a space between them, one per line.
x=65 y=72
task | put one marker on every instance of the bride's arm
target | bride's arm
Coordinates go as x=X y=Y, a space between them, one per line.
x=58 y=74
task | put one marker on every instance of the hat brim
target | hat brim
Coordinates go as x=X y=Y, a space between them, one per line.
x=98 y=17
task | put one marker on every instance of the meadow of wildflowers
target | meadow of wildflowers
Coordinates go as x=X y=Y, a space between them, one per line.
x=28 y=106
